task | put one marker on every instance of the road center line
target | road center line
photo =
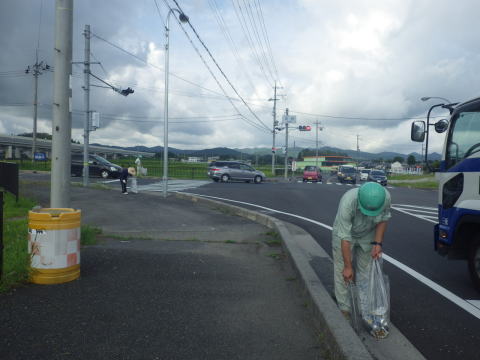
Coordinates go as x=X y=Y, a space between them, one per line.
x=465 y=305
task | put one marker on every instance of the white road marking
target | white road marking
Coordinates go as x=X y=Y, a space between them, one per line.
x=464 y=304
x=475 y=303
x=109 y=181
x=418 y=212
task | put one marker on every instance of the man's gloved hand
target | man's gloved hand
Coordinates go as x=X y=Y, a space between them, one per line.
x=124 y=181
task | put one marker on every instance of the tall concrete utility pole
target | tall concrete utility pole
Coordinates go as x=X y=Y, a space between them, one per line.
x=62 y=97
x=36 y=70
x=358 y=150
x=275 y=124
x=286 y=144
x=316 y=144
x=86 y=88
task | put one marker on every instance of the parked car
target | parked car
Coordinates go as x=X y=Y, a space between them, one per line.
x=225 y=171
x=312 y=173
x=347 y=174
x=377 y=176
x=97 y=166
x=364 y=174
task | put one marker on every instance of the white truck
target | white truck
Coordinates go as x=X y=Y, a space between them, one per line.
x=457 y=234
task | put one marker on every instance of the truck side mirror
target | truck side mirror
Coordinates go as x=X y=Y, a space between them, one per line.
x=418 y=131
x=441 y=126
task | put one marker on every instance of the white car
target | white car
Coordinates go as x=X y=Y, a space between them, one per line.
x=364 y=174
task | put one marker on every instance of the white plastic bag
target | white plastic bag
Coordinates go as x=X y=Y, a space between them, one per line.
x=377 y=311
x=134 y=188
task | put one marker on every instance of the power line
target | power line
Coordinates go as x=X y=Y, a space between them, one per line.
x=359 y=118
x=228 y=37
x=215 y=78
x=219 y=68
x=248 y=37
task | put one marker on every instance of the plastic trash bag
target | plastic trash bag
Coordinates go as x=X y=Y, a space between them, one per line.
x=376 y=307
x=134 y=187
x=143 y=171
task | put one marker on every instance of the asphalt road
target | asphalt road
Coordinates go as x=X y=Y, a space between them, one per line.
x=438 y=327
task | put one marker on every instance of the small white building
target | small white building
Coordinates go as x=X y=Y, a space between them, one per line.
x=396 y=168
x=194 y=159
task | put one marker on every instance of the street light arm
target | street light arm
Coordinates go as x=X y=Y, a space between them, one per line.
x=428 y=131
x=425 y=98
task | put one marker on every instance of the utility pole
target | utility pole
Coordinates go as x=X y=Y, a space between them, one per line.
x=36 y=70
x=62 y=97
x=286 y=143
x=358 y=150
x=275 y=124
x=86 y=88
x=316 y=144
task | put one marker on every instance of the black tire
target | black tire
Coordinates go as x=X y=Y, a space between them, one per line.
x=257 y=179
x=104 y=174
x=225 y=178
x=474 y=262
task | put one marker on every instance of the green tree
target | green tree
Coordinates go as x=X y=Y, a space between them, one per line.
x=400 y=159
x=411 y=160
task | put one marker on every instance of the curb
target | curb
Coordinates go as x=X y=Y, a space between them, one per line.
x=336 y=333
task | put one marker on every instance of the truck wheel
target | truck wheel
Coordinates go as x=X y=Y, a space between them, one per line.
x=474 y=262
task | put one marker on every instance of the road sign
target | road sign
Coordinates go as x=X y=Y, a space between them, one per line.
x=40 y=156
x=290 y=119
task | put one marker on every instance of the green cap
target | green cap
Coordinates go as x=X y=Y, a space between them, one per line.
x=371 y=198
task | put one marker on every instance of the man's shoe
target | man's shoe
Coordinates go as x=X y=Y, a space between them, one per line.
x=125 y=193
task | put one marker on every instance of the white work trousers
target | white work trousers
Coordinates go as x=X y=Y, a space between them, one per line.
x=361 y=263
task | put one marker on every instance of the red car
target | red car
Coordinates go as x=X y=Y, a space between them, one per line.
x=312 y=173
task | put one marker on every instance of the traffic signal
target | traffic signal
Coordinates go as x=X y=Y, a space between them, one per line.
x=127 y=91
x=304 y=128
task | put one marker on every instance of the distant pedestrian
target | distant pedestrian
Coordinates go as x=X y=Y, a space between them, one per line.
x=124 y=177
x=357 y=236
x=138 y=163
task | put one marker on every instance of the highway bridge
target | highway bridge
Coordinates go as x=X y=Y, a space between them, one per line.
x=17 y=147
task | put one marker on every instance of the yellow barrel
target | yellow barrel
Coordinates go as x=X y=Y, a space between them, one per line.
x=54 y=245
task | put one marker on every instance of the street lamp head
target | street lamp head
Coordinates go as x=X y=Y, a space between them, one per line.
x=183 y=18
x=425 y=98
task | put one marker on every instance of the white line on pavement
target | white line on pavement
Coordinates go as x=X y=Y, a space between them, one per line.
x=417 y=216
x=464 y=304
x=475 y=303
x=416 y=210
x=416 y=206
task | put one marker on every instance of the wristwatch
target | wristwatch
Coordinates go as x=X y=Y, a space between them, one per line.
x=376 y=243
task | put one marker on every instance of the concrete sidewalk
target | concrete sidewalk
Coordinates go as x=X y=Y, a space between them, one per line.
x=171 y=279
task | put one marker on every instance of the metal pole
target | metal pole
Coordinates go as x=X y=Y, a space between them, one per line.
x=35 y=108
x=316 y=146
x=165 y=114
x=1 y=233
x=274 y=126
x=427 y=131
x=286 y=144
x=62 y=97
x=86 y=88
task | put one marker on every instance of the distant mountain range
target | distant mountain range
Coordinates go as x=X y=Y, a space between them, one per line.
x=237 y=153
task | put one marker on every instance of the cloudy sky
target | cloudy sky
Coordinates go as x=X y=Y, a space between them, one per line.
x=358 y=67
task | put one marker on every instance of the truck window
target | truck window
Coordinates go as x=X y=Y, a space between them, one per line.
x=464 y=137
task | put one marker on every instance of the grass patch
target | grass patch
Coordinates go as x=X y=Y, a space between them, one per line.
x=88 y=235
x=16 y=260
x=276 y=256
x=411 y=177
x=273 y=238
x=419 y=185
x=14 y=209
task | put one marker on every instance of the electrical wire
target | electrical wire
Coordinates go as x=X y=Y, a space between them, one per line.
x=219 y=68
x=250 y=122
x=359 y=118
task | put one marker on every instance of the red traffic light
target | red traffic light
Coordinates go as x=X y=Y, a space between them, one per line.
x=305 y=128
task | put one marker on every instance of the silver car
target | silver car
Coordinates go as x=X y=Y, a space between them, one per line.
x=225 y=171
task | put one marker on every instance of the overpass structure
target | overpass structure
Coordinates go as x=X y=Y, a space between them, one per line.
x=17 y=147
